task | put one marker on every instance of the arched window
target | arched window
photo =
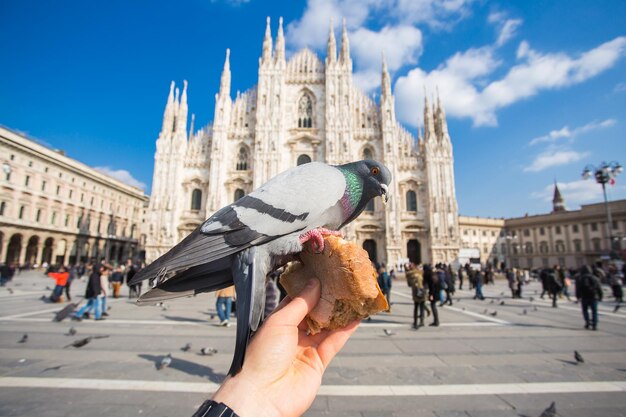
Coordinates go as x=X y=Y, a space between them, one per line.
x=367 y=153
x=196 y=199
x=239 y=193
x=411 y=201
x=304 y=159
x=528 y=247
x=242 y=159
x=305 y=112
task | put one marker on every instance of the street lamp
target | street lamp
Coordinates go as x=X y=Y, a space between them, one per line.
x=604 y=173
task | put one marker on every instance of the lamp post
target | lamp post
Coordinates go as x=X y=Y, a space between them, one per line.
x=603 y=174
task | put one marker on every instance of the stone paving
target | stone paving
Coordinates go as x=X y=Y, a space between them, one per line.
x=513 y=364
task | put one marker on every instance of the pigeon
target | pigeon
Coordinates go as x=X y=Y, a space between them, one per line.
x=550 y=411
x=388 y=332
x=525 y=311
x=578 y=357
x=207 y=351
x=494 y=313
x=43 y=298
x=486 y=311
x=616 y=308
x=80 y=342
x=24 y=339
x=463 y=308
x=10 y=290
x=535 y=308
x=53 y=368
x=502 y=303
x=65 y=312
x=531 y=299
x=165 y=362
x=502 y=293
x=186 y=347
x=244 y=241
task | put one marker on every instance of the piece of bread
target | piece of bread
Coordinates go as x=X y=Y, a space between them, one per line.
x=349 y=286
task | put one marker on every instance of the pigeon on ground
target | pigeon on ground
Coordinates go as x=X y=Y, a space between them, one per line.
x=525 y=311
x=244 y=241
x=492 y=301
x=578 y=357
x=388 y=332
x=531 y=299
x=616 y=308
x=24 y=339
x=186 y=347
x=550 y=411
x=535 y=308
x=82 y=342
x=502 y=302
x=502 y=293
x=65 y=312
x=71 y=331
x=207 y=351
x=10 y=290
x=463 y=308
x=53 y=368
x=494 y=313
x=165 y=362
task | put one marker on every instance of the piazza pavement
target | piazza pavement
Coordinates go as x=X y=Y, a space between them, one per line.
x=475 y=364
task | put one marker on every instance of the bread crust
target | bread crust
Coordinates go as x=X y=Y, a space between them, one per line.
x=349 y=289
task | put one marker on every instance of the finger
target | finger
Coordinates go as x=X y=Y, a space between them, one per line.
x=295 y=311
x=335 y=340
x=282 y=304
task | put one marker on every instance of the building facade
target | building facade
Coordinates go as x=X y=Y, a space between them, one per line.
x=304 y=109
x=570 y=238
x=56 y=210
x=487 y=235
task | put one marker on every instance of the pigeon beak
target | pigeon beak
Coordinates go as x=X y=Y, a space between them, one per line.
x=384 y=193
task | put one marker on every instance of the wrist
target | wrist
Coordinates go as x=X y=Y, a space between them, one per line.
x=243 y=397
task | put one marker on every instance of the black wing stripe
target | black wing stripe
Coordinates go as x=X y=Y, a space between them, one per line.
x=262 y=207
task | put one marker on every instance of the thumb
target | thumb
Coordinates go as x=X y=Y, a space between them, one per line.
x=294 y=312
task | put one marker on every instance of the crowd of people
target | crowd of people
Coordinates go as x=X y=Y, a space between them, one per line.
x=437 y=285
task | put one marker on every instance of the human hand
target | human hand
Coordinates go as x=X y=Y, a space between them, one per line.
x=283 y=368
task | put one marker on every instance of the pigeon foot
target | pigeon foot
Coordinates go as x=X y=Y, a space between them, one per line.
x=316 y=237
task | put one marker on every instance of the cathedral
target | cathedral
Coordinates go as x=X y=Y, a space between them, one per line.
x=306 y=109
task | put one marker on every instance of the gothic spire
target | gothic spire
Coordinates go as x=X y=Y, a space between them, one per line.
x=267 y=43
x=331 y=55
x=169 y=108
x=558 y=203
x=442 y=117
x=429 y=128
x=344 y=55
x=181 y=116
x=225 y=81
x=192 y=127
x=385 y=88
x=279 y=53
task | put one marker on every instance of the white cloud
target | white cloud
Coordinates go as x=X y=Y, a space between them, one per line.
x=565 y=131
x=507 y=27
x=401 y=41
x=121 y=175
x=554 y=157
x=578 y=192
x=460 y=78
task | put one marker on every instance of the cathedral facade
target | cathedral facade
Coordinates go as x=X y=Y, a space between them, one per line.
x=304 y=109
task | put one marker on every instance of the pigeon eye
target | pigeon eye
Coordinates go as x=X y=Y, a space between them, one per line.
x=375 y=171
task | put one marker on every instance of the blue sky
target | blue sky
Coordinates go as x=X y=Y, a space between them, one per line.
x=534 y=90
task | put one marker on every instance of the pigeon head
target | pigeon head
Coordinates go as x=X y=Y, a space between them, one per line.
x=365 y=180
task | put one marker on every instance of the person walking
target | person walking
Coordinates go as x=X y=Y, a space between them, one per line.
x=589 y=292
x=384 y=282
x=92 y=291
x=431 y=281
x=415 y=280
x=70 y=279
x=461 y=273
x=479 y=280
x=553 y=285
x=224 y=304
x=117 y=278
x=449 y=275
x=510 y=277
x=519 y=276
x=616 y=286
